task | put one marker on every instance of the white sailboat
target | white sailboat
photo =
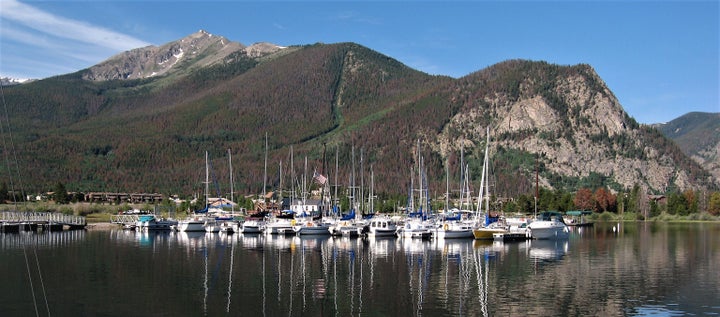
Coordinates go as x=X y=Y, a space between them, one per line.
x=198 y=220
x=490 y=228
x=456 y=228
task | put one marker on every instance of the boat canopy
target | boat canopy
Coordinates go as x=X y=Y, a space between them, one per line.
x=578 y=212
x=349 y=216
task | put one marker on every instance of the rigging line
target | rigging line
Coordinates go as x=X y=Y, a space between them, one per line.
x=32 y=288
x=10 y=150
x=22 y=194
x=42 y=282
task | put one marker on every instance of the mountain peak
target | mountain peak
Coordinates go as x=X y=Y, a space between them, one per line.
x=199 y=49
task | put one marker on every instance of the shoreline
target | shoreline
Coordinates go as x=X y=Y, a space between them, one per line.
x=102 y=226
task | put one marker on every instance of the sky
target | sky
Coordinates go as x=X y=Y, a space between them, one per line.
x=660 y=58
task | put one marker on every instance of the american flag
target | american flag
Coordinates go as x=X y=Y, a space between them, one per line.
x=319 y=178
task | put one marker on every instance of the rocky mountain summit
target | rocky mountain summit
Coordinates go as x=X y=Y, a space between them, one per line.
x=197 y=50
x=568 y=116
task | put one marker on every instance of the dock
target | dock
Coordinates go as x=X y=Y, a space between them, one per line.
x=14 y=221
x=511 y=236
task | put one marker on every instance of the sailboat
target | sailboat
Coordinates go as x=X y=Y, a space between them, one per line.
x=304 y=222
x=416 y=224
x=491 y=225
x=282 y=223
x=200 y=218
x=230 y=225
x=452 y=228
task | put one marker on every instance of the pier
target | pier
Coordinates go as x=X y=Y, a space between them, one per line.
x=127 y=221
x=14 y=221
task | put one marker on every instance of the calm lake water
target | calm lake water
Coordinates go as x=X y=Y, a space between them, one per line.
x=644 y=269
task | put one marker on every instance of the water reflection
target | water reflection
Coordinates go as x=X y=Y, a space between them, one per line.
x=548 y=250
x=46 y=239
x=635 y=269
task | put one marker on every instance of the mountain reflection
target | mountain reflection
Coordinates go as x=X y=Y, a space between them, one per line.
x=666 y=267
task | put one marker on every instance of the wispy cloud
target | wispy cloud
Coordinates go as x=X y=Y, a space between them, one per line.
x=66 y=28
x=352 y=16
x=47 y=37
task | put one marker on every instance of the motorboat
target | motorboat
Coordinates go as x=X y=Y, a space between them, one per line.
x=191 y=224
x=454 y=230
x=549 y=225
x=415 y=229
x=150 y=222
x=311 y=228
x=382 y=227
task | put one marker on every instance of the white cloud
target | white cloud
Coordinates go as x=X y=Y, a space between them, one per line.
x=38 y=44
x=61 y=27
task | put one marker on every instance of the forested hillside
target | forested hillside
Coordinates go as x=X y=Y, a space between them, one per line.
x=150 y=135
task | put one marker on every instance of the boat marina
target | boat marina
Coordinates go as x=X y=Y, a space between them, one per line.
x=217 y=274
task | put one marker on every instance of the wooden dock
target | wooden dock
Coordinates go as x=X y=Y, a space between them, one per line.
x=14 y=221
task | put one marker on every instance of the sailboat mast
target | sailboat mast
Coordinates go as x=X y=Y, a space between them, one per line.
x=265 y=170
x=232 y=197
x=280 y=196
x=304 y=183
x=362 y=184
x=536 y=184
x=323 y=207
x=419 y=166
x=372 y=189
x=337 y=171
x=462 y=177
x=411 y=199
x=447 y=185
x=352 y=180
x=207 y=182
x=292 y=177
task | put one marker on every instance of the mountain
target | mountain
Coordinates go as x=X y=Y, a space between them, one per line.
x=195 y=51
x=114 y=127
x=7 y=81
x=698 y=136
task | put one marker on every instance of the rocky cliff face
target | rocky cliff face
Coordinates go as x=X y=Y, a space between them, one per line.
x=199 y=49
x=577 y=125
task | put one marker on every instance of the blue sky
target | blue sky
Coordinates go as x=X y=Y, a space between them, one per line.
x=660 y=58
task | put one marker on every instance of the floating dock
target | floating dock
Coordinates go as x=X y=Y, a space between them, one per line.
x=511 y=236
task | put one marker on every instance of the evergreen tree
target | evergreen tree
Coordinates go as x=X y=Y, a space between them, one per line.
x=4 y=194
x=60 y=196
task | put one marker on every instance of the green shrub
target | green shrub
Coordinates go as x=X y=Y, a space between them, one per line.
x=66 y=210
x=606 y=216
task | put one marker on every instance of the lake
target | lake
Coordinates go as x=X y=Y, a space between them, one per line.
x=635 y=269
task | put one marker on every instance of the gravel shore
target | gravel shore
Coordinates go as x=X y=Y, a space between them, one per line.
x=102 y=226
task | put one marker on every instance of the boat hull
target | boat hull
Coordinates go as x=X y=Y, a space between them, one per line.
x=191 y=226
x=311 y=230
x=486 y=233
x=549 y=232
x=252 y=226
x=381 y=232
x=454 y=234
